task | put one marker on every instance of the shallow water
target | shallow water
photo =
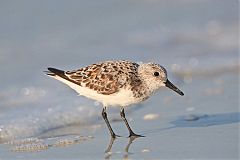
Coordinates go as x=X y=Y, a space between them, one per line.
x=197 y=41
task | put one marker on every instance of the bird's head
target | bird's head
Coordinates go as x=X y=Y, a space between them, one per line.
x=155 y=76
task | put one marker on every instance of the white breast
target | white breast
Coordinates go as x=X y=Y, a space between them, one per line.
x=122 y=98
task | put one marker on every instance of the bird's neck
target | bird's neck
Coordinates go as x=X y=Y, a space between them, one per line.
x=142 y=90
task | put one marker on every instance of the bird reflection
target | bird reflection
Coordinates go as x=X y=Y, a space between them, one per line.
x=110 y=145
x=109 y=148
x=131 y=139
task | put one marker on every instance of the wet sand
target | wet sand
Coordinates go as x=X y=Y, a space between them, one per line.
x=202 y=125
x=196 y=41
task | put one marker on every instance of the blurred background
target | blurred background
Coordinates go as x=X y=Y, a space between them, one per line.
x=196 y=40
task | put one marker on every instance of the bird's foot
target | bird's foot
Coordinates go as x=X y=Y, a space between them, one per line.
x=134 y=135
x=115 y=136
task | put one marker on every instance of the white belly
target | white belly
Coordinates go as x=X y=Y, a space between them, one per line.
x=122 y=98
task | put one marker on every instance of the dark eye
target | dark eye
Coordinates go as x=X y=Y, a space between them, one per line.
x=156 y=74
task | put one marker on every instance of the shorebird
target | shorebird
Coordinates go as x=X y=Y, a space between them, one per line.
x=116 y=83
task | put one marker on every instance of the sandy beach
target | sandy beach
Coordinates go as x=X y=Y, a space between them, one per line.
x=197 y=41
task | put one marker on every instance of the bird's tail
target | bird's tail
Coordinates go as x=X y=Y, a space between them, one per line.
x=55 y=72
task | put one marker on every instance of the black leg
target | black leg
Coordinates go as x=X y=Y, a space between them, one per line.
x=131 y=133
x=104 y=115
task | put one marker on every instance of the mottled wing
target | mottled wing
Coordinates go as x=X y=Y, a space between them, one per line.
x=105 y=78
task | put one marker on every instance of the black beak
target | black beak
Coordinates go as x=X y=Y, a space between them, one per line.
x=171 y=86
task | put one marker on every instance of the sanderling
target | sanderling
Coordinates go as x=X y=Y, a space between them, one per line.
x=116 y=83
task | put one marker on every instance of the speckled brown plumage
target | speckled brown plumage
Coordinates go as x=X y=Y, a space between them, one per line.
x=106 y=78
